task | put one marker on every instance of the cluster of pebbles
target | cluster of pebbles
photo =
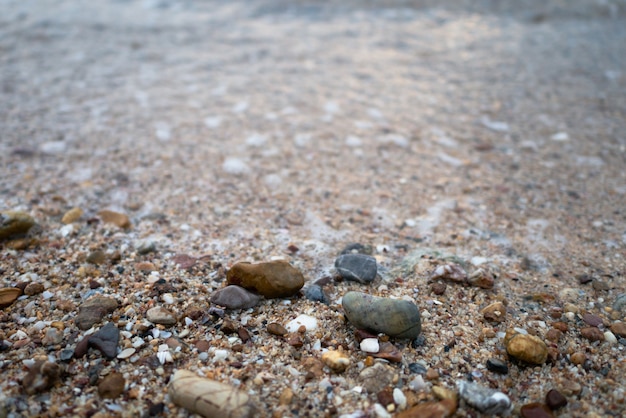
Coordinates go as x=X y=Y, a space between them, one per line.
x=433 y=340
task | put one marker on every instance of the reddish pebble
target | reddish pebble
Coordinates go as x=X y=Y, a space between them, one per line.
x=619 y=329
x=555 y=400
x=561 y=326
x=553 y=335
x=593 y=320
x=536 y=410
x=592 y=334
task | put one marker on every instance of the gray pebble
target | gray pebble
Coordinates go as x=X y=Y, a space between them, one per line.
x=620 y=302
x=106 y=340
x=146 y=246
x=356 y=267
x=486 y=400
x=316 y=294
x=66 y=354
x=235 y=297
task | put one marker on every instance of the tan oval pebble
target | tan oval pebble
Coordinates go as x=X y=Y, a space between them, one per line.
x=115 y=218
x=619 y=329
x=112 y=386
x=592 y=334
x=14 y=223
x=578 y=358
x=336 y=360
x=276 y=329
x=496 y=312
x=72 y=216
x=526 y=347
x=33 y=289
x=160 y=315
x=394 y=317
x=8 y=295
x=274 y=279
x=441 y=409
x=209 y=398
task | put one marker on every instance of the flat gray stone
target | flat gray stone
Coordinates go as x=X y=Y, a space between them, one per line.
x=356 y=267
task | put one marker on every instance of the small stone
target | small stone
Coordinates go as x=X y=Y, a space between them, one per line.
x=385 y=397
x=438 y=288
x=417 y=368
x=72 y=216
x=376 y=378
x=393 y=317
x=620 y=302
x=496 y=312
x=388 y=352
x=592 y=334
x=8 y=295
x=570 y=388
x=41 y=377
x=97 y=257
x=600 y=285
x=336 y=360
x=399 y=398
x=126 y=353
x=93 y=310
x=481 y=278
x=106 y=340
x=486 y=400
x=313 y=366
x=209 y=398
x=286 y=396
x=526 y=347
x=145 y=246
x=14 y=223
x=440 y=409
x=370 y=345
x=276 y=329
x=553 y=335
x=66 y=354
x=274 y=279
x=444 y=393
x=536 y=410
x=118 y=219
x=497 y=366
x=561 y=326
x=451 y=272
x=308 y=322
x=578 y=358
x=160 y=315
x=235 y=297
x=555 y=400
x=112 y=386
x=315 y=293
x=356 y=267
x=53 y=337
x=33 y=289
x=592 y=320
x=619 y=329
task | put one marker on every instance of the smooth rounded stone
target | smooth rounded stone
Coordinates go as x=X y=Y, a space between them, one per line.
x=433 y=409
x=526 y=347
x=209 y=398
x=536 y=410
x=610 y=338
x=97 y=257
x=555 y=400
x=315 y=293
x=306 y=321
x=33 y=289
x=376 y=378
x=276 y=329
x=106 y=340
x=357 y=267
x=66 y=354
x=370 y=345
x=274 y=279
x=112 y=386
x=53 y=336
x=145 y=246
x=71 y=216
x=235 y=297
x=486 y=400
x=496 y=312
x=497 y=366
x=13 y=223
x=592 y=334
x=393 y=317
x=592 y=320
x=356 y=248
x=93 y=310
x=8 y=295
x=118 y=219
x=620 y=302
x=41 y=376
x=481 y=278
x=124 y=354
x=399 y=398
x=619 y=329
x=417 y=368
x=336 y=360
x=160 y=315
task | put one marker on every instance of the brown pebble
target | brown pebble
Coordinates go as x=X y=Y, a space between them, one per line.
x=244 y=334
x=570 y=388
x=14 y=223
x=286 y=396
x=202 y=345
x=481 y=278
x=72 y=216
x=526 y=347
x=41 y=377
x=112 y=386
x=555 y=400
x=593 y=320
x=600 y=285
x=438 y=288
x=274 y=279
x=496 y=312
x=385 y=396
x=361 y=334
x=536 y=410
x=578 y=358
x=8 y=295
x=553 y=335
x=619 y=329
x=592 y=334
x=97 y=257
x=441 y=409
x=115 y=218
x=295 y=341
x=314 y=366
x=561 y=326
x=389 y=352
x=276 y=329
x=33 y=289
x=93 y=310
x=145 y=266
x=432 y=374
x=229 y=326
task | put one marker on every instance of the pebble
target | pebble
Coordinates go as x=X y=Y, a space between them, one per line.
x=274 y=279
x=451 y=272
x=33 y=289
x=315 y=293
x=620 y=302
x=337 y=360
x=8 y=295
x=619 y=329
x=481 y=278
x=486 y=400
x=388 y=352
x=376 y=378
x=578 y=357
x=160 y=315
x=276 y=329
x=592 y=334
x=71 y=216
x=497 y=366
x=356 y=267
x=112 y=386
x=235 y=297
x=127 y=353
x=526 y=347
x=13 y=223
x=209 y=398
x=536 y=410
x=592 y=320
x=393 y=317
x=106 y=340
x=53 y=336
x=306 y=321
x=432 y=409
x=399 y=398
x=111 y=217
x=496 y=312
x=66 y=354
x=97 y=257
x=145 y=246
x=370 y=345
x=417 y=368
x=93 y=310
x=555 y=400
x=41 y=376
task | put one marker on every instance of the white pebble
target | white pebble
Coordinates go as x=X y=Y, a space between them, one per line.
x=47 y=294
x=370 y=345
x=381 y=411
x=203 y=356
x=399 y=398
x=353 y=141
x=168 y=298
x=126 y=353
x=560 y=136
x=188 y=321
x=610 y=337
x=417 y=384
x=220 y=355
x=309 y=323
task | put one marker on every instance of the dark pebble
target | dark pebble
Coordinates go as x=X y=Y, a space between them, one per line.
x=536 y=410
x=316 y=294
x=82 y=347
x=592 y=320
x=356 y=248
x=106 y=340
x=584 y=279
x=66 y=355
x=356 y=267
x=420 y=341
x=555 y=400
x=438 y=288
x=417 y=368
x=497 y=366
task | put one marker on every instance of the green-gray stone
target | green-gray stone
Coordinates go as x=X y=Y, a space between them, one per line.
x=394 y=317
x=14 y=223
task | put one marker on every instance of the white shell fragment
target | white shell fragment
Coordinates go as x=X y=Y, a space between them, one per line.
x=486 y=400
x=209 y=398
x=309 y=323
